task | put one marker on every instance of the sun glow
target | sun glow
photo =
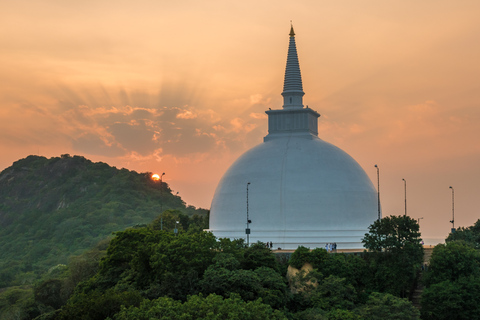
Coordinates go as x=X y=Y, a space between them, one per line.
x=155 y=177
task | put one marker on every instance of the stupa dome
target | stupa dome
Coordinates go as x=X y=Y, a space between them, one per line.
x=295 y=188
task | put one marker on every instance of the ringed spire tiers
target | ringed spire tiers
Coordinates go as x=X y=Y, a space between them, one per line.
x=293 y=119
x=292 y=85
x=303 y=191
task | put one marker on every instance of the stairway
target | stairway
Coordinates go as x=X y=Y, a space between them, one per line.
x=417 y=293
x=427 y=253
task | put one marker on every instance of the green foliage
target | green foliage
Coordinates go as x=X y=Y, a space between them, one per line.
x=319 y=314
x=394 y=233
x=453 y=281
x=18 y=303
x=452 y=300
x=245 y=283
x=334 y=293
x=340 y=314
x=470 y=235
x=452 y=261
x=155 y=262
x=186 y=252
x=351 y=267
x=396 y=257
x=300 y=257
x=171 y=219
x=235 y=247
x=381 y=306
x=127 y=252
x=53 y=208
x=211 y=307
x=258 y=255
x=225 y=277
x=318 y=257
x=49 y=293
x=316 y=292
x=98 y=305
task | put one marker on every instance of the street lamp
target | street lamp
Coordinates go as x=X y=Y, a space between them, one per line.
x=419 y=222
x=405 y=187
x=161 y=201
x=176 y=228
x=453 y=209
x=247 y=230
x=378 y=190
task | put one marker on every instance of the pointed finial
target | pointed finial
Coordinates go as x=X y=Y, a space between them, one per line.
x=292 y=34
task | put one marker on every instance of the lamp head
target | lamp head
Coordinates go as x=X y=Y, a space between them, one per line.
x=376 y=166
x=451 y=187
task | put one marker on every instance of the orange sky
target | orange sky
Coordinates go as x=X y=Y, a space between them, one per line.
x=181 y=87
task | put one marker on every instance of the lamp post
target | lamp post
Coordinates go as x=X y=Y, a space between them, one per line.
x=453 y=209
x=405 y=187
x=176 y=228
x=161 y=201
x=419 y=222
x=378 y=191
x=247 y=230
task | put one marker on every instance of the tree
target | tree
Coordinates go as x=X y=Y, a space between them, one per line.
x=97 y=305
x=381 y=306
x=452 y=300
x=18 y=303
x=211 y=307
x=50 y=293
x=225 y=277
x=313 y=290
x=258 y=255
x=334 y=293
x=155 y=262
x=351 y=267
x=395 y=254
x=394 y=233
x=168 y=221
x=274 y=287
x=470 y=235
x=452 y=261
x=301 y=256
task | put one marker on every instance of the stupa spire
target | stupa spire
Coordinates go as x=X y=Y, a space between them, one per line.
x=292 y=85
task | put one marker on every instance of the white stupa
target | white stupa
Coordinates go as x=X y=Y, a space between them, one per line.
x=295 y=188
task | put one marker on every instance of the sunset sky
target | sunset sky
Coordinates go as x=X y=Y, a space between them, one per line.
x=181 y=87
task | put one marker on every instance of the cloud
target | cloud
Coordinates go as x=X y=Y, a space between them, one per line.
x=186 y=114
x=97 y=121
x=94 y=144
x=134 y=136
x=256 y=115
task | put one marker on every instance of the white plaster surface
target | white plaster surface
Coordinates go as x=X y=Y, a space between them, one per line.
x=303 y=191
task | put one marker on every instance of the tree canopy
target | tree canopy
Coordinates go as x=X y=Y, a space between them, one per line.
x=393 y=233
x=53 y=208
x=145 y=270
x=453 y=278
x=470 y=235
x=396 y=254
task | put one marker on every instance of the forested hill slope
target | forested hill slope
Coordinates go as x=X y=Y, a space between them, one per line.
x=53 y=208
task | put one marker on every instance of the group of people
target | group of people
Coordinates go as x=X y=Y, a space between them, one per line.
x=331 y=247
x=269 y=244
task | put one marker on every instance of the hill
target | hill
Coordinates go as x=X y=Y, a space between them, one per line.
x=53 y=208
